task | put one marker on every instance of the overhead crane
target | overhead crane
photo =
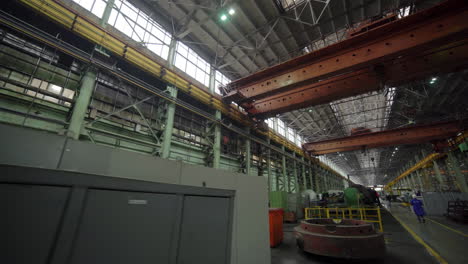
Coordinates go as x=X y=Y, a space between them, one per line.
x=400 y=136
x=428 y=42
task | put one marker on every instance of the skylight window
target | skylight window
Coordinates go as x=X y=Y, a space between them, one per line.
x=140 y=27
x=405 y=11
x=94 y=6
x=289 y=4
x=281 y=128
x=220 y=80
x=188 y=61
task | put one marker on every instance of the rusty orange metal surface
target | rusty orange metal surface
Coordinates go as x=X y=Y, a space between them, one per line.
x=425 y=30
x=400 y=136
x=318 y=93
x=447 y=58
x=352 y=239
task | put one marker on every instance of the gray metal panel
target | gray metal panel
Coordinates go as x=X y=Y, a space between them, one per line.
x=26 y=175
x=205 y=230
x=251 y=222
x=436 y=203
x=28 y=225
x=28 y=147
x=126 y=227
x=212 y=178
x=91 y=158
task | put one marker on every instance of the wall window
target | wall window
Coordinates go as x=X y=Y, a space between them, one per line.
x=299 y=140
x=281 y=128
x=220 y=80
x=270 y=123
x=140 y=27
x=94 y=6
x=290 y=134
x=188 y=61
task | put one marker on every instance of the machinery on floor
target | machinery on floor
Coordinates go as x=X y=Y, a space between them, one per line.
x=341 y=238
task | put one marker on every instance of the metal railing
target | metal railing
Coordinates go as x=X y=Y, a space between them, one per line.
x=368 y=214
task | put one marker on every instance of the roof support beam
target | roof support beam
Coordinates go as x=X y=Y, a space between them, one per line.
x=399 y=136
x=445 y=59
x=427 y=29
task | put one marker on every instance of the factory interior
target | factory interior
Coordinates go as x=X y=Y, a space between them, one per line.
x=233 y=131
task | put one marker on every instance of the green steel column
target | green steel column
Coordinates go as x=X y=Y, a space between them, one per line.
x=217 y=128
x=270 y=180
x=406 y=183
x=412 y=181
x=81 y=104
x=217 y=142
x=296 y=182
x=310 y=175
x=248 y=154
x=304 y=180
x=418 y=177
x=326 y=180
x=458 y=173
x=172 y=52
x=283 y=164
x=437 y=173
x=402 y=181
x=107 y=12
x=167 y=134
x=212 y=81
x=316 y=172
x=269 y=176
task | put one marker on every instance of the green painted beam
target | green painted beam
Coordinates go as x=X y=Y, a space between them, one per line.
x=438 y=175
x=455 y=165
x=167 y=133
x=107 y=12
x=269 y=173
x=295 y=176
x=248 y=154
x=81 y=104
x=304 y=180
x=283 y=165
x=217 y=142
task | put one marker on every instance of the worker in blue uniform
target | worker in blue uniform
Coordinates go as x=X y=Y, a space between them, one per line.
x=418 y=209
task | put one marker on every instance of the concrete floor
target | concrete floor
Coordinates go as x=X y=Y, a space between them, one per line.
x=446 y=237
x=401 y=248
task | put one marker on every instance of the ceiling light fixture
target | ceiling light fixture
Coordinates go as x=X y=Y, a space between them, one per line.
x=231 y=11
x=223 y=17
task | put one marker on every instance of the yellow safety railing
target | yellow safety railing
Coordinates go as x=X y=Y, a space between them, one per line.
x=368 y=214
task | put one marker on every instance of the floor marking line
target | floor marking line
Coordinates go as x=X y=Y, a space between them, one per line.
x=421 y=241
x=449 y=228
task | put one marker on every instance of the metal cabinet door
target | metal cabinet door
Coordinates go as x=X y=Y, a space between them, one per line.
x=126 y=227
x=204 y=231
x=30 y=219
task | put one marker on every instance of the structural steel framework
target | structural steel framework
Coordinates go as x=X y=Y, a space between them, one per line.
x=162 y=139
x=428 y=38
x=399 y=136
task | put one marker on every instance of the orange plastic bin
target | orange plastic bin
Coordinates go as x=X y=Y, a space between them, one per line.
x=276 y=226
